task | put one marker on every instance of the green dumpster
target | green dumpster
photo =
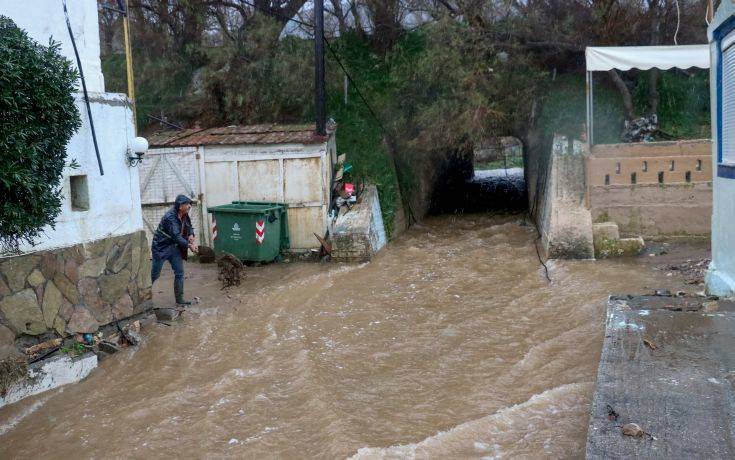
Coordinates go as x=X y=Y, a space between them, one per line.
x=253 y=231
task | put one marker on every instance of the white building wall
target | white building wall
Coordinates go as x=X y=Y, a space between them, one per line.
x=44 y=19
x=720 y=277
x=114 y=199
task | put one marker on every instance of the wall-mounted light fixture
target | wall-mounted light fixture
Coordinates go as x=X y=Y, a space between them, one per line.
x=136 y=151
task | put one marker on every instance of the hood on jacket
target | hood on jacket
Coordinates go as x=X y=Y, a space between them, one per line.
x=181 y=199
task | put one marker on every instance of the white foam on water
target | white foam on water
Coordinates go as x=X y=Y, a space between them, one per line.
x=487 y=173
x=513 y=423
x=15 y=420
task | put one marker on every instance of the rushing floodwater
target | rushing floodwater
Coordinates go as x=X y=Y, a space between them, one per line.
x=450 y=343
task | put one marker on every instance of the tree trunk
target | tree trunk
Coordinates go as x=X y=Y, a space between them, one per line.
x=653 y=95
x=340 y=15
x=624 y=92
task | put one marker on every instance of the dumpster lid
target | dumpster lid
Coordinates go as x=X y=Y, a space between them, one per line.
x=248 y=207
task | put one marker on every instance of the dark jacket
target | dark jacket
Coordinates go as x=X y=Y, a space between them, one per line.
x=170 y=235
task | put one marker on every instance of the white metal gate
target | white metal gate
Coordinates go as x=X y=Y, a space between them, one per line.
x=166 y=173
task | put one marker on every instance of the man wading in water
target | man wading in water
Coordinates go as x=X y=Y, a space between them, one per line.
x=170 y=242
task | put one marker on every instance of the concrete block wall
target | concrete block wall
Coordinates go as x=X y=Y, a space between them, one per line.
x=652 y=189
x=359 y=233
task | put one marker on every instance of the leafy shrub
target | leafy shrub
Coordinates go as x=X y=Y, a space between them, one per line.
x=37 y=119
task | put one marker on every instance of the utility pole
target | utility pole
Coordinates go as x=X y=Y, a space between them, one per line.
x=319 y=92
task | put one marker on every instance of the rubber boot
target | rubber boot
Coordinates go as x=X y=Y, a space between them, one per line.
x=179 y=292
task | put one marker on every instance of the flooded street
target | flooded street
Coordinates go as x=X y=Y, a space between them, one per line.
x=450 y=343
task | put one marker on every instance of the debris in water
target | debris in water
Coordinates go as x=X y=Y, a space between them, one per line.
x=230 y=268
x=131 y=332
x=167 y=314
x=233 y=441
x=35 y=349
x=611 y=414
x=108 y=347
x=710 y=306
x=663 y=293
x=650 y=344
x=206 y=255
x=634 y=430
x=11 y=370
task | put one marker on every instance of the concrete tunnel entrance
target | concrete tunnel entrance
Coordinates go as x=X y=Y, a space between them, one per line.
x=491 y=180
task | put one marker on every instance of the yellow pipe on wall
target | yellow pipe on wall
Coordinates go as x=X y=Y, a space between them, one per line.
x=129 y=64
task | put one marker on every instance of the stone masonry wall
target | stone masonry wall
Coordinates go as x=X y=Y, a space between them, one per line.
x=74 y=289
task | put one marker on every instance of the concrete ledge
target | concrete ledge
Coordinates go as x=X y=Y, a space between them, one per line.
x=666 y=365
x=719 y=283
x=565 y=223
x=659 y=148
x=49 y=374
x=359 y=232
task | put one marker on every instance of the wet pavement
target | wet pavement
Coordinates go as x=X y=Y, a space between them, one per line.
x=668 y=365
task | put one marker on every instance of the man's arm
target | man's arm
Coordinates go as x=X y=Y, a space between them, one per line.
x=173 y=228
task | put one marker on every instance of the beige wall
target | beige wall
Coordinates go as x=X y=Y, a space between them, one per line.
x=652 y=189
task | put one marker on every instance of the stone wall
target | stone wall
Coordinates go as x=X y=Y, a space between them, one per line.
x=74 y=289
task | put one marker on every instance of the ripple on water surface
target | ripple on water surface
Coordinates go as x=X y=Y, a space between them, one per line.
x=450 y=343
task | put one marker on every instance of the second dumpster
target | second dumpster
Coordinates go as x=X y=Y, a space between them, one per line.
x=252 y=231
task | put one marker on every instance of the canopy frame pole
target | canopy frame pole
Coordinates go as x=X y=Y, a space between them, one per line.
x=590 y=109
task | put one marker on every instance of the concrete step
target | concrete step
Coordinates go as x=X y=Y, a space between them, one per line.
x=607 y=242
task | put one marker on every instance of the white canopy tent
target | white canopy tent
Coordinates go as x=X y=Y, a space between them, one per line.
x=604 y=58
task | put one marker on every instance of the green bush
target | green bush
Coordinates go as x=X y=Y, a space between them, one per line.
x=37 y=119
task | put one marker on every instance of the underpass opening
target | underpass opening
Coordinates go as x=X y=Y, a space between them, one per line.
x=489 y=178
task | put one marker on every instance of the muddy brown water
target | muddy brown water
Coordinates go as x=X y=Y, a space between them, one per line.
x=450 y=343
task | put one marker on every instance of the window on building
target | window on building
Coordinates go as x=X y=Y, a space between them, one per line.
x=79 y=193
x=727 y=115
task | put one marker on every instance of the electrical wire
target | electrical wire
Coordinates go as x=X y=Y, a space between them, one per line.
x=406 y=203
x=678 y=21
x=334 y=54
x=84 y=89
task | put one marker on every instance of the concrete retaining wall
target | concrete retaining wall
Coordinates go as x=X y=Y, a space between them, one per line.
x=74 y=289
x=557 y=200
x=652 y=189
x=359 y=232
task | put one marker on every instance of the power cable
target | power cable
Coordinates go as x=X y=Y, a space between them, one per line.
x=84 y=89
x=406 y=203
x=334 y=54
x=678 y=21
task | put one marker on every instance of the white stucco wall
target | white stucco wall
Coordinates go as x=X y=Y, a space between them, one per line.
x=114 y=199
x=720 y=277
x=43 y=19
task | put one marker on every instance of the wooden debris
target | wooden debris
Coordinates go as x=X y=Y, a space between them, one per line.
x=131 y=332
x=325 y=244
x=650 y=344
x=35 y=349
